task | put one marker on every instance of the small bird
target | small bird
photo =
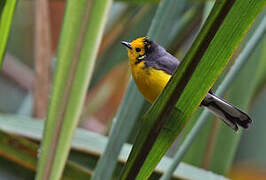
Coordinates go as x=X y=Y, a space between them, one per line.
x=152 y=66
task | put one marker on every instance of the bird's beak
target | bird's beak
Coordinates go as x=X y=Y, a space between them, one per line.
x=127 y=44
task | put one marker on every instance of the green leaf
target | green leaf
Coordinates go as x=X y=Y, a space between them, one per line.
x=24 y=153
x=7 y=9
x=256 y=134
x=124 y=122
x=227 y=82
x=7 y=169
x=87 y=147
x=133 y=1
x=240 y=94
x=197 y=151
x=140 y=1
x=130 y=107
x=196 y=74
x=79 y=42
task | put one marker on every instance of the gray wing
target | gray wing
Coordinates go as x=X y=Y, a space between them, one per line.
x=167 y=63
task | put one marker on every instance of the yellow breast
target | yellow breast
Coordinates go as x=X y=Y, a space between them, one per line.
x=150 y=81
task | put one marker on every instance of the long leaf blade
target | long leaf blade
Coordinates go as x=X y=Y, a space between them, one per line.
x=7 y=9
x=133 y=98
x=241 y=60
x=80 y=38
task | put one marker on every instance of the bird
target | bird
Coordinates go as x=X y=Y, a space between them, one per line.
x=152 y=67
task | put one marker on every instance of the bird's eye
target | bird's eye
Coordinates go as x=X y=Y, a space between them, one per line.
x=138 y=49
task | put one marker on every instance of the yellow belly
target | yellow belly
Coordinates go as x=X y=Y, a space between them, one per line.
x=150 y=81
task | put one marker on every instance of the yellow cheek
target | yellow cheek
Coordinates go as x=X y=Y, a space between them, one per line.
x=132 y=56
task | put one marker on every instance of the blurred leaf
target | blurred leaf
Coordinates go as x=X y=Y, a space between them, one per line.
x=106 y=165
x=19 y=150
x=129 y=1
x=24 y=153
x=126 y=118
x=246 y=153
x=26 y=106
x=195 y=75
x=240 y=94
x=87 y=146
x=80 y=39
x=42 y=58
x=182 y=25
x=7 y=169
x=256 y=134
x=261 y=74
x=116 y=13
x=147 y=1
x=140 y=1
x=7 y=9
x=10 y=101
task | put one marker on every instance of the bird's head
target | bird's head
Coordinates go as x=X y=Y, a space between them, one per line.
x=139 y=49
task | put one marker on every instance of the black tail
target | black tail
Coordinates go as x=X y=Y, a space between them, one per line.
x=231 y=115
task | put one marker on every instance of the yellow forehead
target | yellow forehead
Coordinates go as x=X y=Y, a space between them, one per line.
x=138 y=43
